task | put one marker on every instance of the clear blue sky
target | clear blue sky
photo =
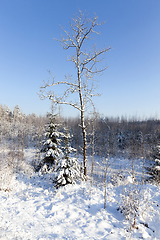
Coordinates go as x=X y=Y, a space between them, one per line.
x=131 y=84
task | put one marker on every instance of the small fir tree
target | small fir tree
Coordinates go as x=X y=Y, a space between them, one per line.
x=154 y=170
x=51 y=146
x=68 y=170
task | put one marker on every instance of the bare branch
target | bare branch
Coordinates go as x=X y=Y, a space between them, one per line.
x=67 y=103
x=93 y=59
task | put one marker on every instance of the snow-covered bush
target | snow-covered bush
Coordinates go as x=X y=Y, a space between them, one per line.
x=129 y=204
x=6 y=169
x=6 y=176
x=136 y=203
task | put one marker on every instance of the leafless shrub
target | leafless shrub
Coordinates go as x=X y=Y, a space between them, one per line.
x=6 y=176
x=129 y=204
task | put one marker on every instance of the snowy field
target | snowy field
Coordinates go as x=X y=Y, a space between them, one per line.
x=31 y=209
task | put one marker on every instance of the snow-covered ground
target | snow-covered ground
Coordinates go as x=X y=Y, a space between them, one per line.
x=32 y=209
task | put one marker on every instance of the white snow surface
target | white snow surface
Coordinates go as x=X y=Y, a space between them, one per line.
x=157 y=168
x=34 y=210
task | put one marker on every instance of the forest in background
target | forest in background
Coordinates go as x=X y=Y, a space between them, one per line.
x=120 y=137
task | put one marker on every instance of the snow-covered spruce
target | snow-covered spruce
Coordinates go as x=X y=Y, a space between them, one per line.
x=51 y=147
x=154 y=170
x=57 y=156
x=68 y=170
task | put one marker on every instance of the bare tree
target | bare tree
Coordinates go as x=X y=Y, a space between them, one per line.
x=86 y=61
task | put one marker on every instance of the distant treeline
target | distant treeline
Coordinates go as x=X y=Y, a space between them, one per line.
x=114 y=136
x=127 y=138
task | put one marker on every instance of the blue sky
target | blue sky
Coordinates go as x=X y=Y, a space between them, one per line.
x=129 y=87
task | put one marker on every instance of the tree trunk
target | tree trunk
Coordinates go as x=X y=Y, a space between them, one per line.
x=82 y=116
x=84 y=152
